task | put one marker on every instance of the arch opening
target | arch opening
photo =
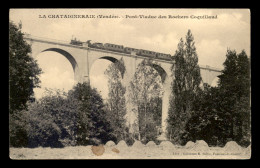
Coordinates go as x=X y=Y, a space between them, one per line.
x=163 y=105
x=98 y=79
x=58 y=73
x=147 y=89
x=67 y=55
x=160 y=71
x=114 y=60
x=165 y=101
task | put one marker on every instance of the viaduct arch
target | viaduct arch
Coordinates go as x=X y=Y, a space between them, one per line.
x=111 y=59
x=83 y=57
x=67 y=55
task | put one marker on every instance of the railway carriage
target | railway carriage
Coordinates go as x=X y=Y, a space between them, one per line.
x=129 y=50
x=163 y=56
x=147 y=53
x=97 y=45
x=114 y=47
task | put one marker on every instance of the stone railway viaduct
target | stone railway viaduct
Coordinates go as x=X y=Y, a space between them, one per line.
x=83 y=57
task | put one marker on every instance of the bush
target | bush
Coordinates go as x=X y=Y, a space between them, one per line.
x=17 y=133
x=52 y=121
x=60 y=119
x=66 y=119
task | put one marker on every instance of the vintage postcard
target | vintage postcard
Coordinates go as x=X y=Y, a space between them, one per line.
x=129 y=83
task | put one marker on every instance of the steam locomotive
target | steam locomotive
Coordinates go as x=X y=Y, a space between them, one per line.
x=122 y=49
x=76 y=42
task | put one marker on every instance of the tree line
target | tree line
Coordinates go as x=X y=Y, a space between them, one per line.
x=214 y=114
x=81 y=117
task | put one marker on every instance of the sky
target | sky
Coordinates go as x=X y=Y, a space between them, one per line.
x=212 y=37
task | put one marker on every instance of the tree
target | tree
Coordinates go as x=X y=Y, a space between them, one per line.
x=208 y=119
x=145 y=87
x=186 y=83
x=23 y=78
x=235 y=83
x=93 y=126
x=116 y=99
x=222 y=113
x=23 y=70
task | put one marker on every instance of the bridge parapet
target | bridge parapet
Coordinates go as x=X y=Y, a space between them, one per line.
x=206 y=67
x=53 y=41
x=29 y=36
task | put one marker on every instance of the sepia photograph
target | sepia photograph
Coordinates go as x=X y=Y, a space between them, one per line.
x=128 y=83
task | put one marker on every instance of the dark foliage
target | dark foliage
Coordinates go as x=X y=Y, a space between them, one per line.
x=23 y=78
x=60 y=119
x=222 y=113
x=209 y=120
x=185 y=85
x=235 y=83
x=93 y=125
x=23 y=70
x=51 y=121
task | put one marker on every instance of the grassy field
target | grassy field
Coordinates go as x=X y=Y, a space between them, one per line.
x=137 y=151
